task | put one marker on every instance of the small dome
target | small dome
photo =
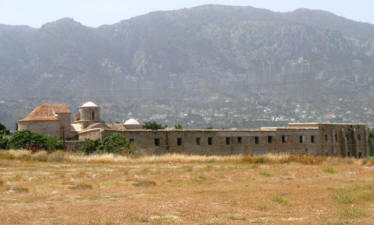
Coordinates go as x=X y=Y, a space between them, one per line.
x=89 y=104
x=132 y=122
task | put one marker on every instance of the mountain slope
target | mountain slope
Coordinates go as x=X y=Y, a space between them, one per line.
x=210 y=65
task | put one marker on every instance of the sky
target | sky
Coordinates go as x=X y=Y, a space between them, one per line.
x=94 y=13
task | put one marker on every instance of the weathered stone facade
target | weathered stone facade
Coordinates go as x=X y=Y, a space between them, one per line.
x=318 y=139
x=312 y=139
x=49 y=119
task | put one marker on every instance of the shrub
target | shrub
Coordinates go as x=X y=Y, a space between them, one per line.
x=178 y=127
x=90 y=146
x=116 y=144
x=3 y=130
x=52 y=144
x=154 y=125
x=27 y=139
x=3 y=143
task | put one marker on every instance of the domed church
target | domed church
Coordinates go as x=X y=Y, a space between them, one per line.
x=55 y=120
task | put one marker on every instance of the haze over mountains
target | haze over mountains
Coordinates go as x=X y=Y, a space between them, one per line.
x=219 y=66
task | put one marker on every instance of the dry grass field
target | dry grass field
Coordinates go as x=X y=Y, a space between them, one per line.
x=64 y=189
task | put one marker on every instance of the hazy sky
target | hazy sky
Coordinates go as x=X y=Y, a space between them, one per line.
x=97 y=12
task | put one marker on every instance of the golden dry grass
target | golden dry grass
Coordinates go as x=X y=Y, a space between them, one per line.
x=73 y=189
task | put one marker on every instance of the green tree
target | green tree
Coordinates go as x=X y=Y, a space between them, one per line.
x=117 y=144
x=178 y=127
x=154 y=125
x=3 y=143
x=3 y=130
x=26 y=139
x=90 y=146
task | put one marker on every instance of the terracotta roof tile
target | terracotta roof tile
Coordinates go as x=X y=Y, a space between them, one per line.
x=46 y=111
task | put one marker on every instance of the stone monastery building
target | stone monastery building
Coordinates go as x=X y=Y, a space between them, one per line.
x=330 y=139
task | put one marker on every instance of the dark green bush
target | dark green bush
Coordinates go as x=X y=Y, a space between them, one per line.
x=52 y=143
x=3 y=130
x=116 y=144
x=90 y=146
x=178 y=127
x=154 y=126
x=27 y=140
x=3 y=143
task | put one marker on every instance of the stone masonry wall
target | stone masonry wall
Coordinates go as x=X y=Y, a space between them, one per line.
x=218 y=142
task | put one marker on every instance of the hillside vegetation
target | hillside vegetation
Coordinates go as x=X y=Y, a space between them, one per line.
x=212 y=65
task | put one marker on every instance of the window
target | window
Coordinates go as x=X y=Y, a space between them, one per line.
x=132 y=140
x=301 y=139
x=359 y=137
x=239 y=140
x=93 y=115
x=228 y=140
x=336 y=137
x=257 y=140
x=270 y=139
x=198 y=140
x=326 y=138
x=179 y=141
x=349 y=154
x=157 y=141
x=210 y=141
x=312 y=139
x=284 y=139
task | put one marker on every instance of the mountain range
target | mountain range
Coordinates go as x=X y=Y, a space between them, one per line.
x=213 y=65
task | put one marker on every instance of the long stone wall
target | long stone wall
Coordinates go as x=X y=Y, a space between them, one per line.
x=312 y=139
x=218 y=142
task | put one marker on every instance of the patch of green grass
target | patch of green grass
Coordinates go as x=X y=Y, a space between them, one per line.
x=237 y=218
x=367 y=196
x=144 y=183
x=330 y=170
x=343 y=198
x=352 y=213
x=265 y=174
x=280 y=200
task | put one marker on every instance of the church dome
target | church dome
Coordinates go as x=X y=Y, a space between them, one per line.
x=89 y=104
x=132 y=122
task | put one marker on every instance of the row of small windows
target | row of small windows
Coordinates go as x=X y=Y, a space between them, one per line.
x=239 y=140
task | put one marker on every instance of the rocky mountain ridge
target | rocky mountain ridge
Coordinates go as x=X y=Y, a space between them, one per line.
x=212 y=65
